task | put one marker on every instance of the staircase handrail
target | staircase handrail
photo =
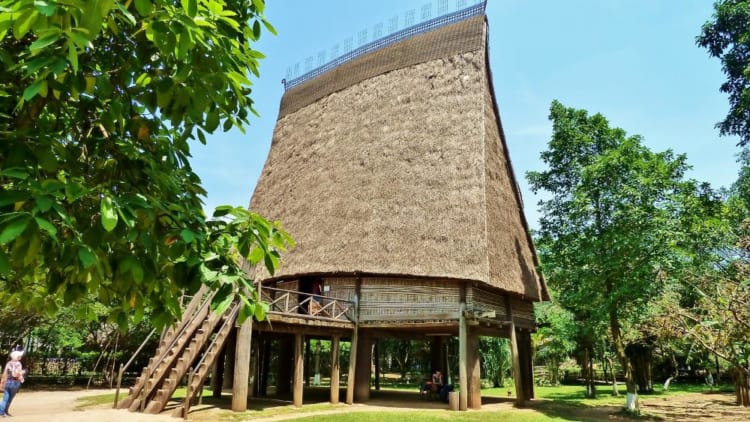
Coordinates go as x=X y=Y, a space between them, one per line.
x=123 y=368
x=193 y=372
x=192 y=312
x=177 y=336
x=188 y=311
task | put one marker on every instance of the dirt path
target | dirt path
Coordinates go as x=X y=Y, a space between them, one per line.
x=54 y=406
x=60 y=406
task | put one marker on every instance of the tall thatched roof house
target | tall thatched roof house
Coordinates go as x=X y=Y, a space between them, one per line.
x=392 y=173
x=390 y=169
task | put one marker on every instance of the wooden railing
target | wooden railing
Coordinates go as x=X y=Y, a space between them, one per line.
x=294 y=303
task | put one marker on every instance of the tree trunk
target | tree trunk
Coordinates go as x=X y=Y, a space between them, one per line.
x=631 y=401
x=612 y=369
x=588 y=371
x=742 y=386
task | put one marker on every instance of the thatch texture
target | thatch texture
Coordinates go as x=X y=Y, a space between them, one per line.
x=401 y=173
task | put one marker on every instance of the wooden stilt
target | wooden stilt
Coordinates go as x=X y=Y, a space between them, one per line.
x=228 y=361
x=352 y=368
x=364 y=366
x=526 y=363
x=242 y=366
x=462 y=359
x=285 y=365
x=515 y=361
x=376 y=358
x=299 y=371
x=474 y=368
x=335 y=370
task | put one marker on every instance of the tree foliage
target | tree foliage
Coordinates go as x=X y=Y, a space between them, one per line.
x=710 y=307
x=99 y=101
x=612 y=224
x=727 y=37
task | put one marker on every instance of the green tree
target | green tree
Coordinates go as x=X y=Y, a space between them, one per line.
x=727 y=37
x=495 y=354
x=711 y=304
x=554 y=341
x=99 y=101
x=610 y=225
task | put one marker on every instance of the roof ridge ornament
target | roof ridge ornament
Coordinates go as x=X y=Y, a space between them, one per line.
x=445 y=19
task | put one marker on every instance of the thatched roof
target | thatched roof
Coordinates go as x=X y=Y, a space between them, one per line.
x=395 y=164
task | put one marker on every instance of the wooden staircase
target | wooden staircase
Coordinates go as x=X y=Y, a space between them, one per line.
x=178 y=349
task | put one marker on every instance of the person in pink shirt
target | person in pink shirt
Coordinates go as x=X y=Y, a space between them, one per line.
x=11 y=380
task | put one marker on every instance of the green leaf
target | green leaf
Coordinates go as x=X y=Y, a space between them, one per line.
x=109 y=213
x=212 y=121
x=256 y=30
x=15 y=172
x=4 y=264
x=38 y=87
x=44 y=41
x=87 y=256
x=23 y=23
x=73 y=57
x=15 y=226
x=269 y=27
x=187 y=235
x=222 y=299
x=191 y=7
x=143 y=7
x=261 y=309
x=256 y=255
x=46 y=226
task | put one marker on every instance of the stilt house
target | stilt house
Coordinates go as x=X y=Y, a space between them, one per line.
x=390 y=169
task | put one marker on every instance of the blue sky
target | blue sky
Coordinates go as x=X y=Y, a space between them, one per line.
x=634 y=61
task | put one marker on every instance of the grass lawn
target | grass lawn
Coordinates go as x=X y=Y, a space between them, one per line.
x=562 y=403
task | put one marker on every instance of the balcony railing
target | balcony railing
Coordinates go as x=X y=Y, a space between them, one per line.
x=299 y=304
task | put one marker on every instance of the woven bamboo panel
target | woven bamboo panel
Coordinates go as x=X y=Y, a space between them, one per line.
x=483 y=300
x=292 y=285
x=343 y=288
x=522 y=310
x=385 y=299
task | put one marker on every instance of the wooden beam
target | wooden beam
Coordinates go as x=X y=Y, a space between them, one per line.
x=242 y=366
x=299 y=371
x=335 y=369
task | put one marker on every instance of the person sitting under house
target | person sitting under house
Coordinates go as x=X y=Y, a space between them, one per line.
x=432 y=387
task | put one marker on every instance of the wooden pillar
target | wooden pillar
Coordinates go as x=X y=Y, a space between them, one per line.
x=217 y=375
x=436 y=353
x=462 y=358
x=286 y=363
x=242 y=366
x=526 y=362
x=376 y=358
x=354 y=347
x=229 y=360
x=352 y=367
x=364 y=368
x=254 y=366
x=299 y=370
x=335 y=369
x=264 y=364
x=474 y=371
x=515 y=361
x=307 y=355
